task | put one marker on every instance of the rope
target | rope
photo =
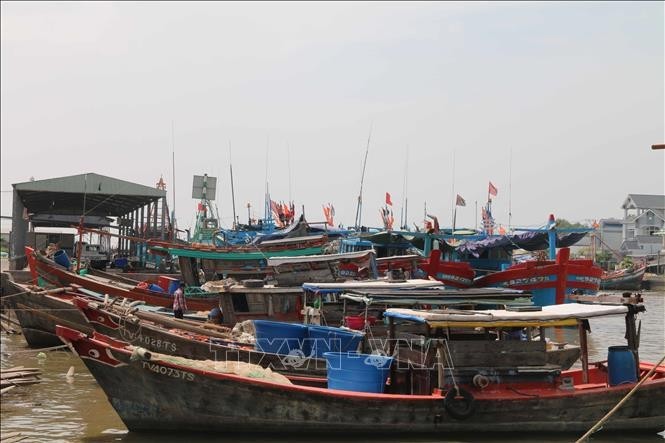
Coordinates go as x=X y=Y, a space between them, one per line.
x=600 y=423
x=449 y=360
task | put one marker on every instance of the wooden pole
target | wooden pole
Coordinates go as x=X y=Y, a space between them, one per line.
x=595 y=427
x=584 y=348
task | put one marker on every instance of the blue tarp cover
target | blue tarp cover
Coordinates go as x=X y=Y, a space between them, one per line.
x=529 y=241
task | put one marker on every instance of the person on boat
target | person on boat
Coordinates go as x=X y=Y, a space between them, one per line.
x=216 y=316
x=179 y=303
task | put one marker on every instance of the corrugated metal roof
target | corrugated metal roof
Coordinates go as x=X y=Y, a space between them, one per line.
x=101 y=195
x=90 y=183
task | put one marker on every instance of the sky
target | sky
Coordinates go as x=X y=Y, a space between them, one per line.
x=557 y=104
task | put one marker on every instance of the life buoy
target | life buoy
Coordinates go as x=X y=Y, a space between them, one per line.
x=459 y=403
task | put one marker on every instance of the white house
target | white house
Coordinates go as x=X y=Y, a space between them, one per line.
x=644 y=216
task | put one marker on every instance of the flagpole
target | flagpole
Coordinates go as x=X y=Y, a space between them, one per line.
x=454 y=219
x=476 y=217
x=453 y=190
x=510 y=190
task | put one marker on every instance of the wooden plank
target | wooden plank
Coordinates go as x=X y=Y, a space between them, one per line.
x=18 y=374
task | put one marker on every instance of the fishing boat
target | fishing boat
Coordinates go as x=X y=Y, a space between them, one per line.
x=48 y=271
x=550 y=281
x=39 y=310
x=518 y=392
x=245 y=260
x=413 y=255
x=294 y=271
x=198 y=341
x=623 y=279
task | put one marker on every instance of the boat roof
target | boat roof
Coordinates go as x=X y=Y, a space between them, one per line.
x=372 y=284
x=440 y=298
x=276 y=261
x=288 y=240
x=556 y=315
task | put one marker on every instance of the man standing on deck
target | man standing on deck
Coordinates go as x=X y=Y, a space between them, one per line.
x=179 y=304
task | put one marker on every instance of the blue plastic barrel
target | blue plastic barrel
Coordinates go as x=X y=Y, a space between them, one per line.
x=61 y=258
x=173 y=286
x=324 y=339
x=621 y=365
x=351 y=371
x=155 y=288
x=280 y=337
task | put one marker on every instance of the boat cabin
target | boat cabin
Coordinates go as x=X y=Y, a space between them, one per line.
x=486 y=347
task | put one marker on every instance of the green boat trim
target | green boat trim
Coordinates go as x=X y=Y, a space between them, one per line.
x=258 y=255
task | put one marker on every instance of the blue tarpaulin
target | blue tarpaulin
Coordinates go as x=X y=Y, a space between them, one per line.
x=529 y=241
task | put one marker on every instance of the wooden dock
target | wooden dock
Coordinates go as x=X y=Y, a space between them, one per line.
x=18 y=376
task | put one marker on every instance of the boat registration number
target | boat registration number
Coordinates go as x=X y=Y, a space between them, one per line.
x=170 y=372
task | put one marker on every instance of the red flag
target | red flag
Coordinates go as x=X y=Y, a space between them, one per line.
x=388 y=201
x=460 y=201
x=492 y=190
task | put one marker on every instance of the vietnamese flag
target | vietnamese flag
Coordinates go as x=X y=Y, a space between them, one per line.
x=388 y=201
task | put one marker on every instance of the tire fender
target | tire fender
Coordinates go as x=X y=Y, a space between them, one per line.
x=459 y=403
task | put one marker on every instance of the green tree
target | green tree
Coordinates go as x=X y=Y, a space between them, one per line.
x=562 y=223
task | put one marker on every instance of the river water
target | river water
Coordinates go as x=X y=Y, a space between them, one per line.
x=76 y=410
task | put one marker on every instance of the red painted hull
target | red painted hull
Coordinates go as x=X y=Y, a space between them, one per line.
x=58 y=276
x=156 y=394
x=561 y=275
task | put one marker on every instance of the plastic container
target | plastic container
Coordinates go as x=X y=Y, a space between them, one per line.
x=120 y=263
x=358 y=322
x=61 y=258
x=155 y=288
x=324 y=339
x=621 y=365
x=168 y=284
x=279 y=337
x=173 y=286
x=357 y=372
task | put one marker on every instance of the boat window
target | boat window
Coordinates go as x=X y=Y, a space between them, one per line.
x=240 y=303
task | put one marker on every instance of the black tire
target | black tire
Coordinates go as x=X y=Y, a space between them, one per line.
x=252 y=283
x=459 y=406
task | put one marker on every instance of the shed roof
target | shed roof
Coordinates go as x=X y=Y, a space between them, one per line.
x=103 y=196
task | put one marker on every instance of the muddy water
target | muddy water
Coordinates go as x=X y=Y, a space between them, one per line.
x=76 y=410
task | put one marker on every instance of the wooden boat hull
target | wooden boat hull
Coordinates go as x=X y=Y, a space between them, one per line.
x=197 y=344
x=627 y=280
x=39 y=313
x=57 y=275
x=549 y=281
x=160 y=395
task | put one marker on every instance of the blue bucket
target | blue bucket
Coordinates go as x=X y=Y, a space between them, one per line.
x=279 y=337
x=155 y=288
x=60 y=257
x=324 y=339
x=621 y=365
x=351 y=371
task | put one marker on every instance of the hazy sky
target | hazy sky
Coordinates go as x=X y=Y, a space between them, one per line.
x=574 y=90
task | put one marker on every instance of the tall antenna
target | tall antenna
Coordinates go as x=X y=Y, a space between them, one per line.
x=233 y=195
x=267 y=212
x=405 y=200
x=288 y=159
x=452 y=195
x=510 y=190
x=173 y=168
x=359 y=208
